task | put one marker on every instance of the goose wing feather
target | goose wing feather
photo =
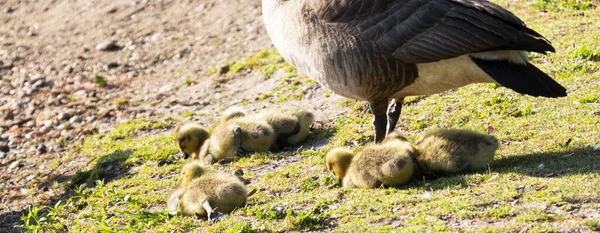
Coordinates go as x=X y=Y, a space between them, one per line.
x=418 y=31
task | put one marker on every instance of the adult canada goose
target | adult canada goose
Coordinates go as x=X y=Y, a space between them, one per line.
x=385 y=50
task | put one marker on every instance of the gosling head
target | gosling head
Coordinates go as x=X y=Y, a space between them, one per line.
x=338 y=160
x=189 y=172
x=190 y=138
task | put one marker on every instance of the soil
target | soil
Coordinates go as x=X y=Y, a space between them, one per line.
x=54 y=56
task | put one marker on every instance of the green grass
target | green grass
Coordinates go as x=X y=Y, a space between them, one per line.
x=99 y=80
x=125 y=190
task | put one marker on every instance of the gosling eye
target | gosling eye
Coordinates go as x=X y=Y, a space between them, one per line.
x=182 y=144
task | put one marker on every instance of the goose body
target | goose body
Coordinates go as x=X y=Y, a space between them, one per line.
x=384 y=50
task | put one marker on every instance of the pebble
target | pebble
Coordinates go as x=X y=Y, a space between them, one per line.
x=597 y=147
x=48 y=123
x=44 y=129
x=165 y=88
x=41 y=149
x=63 y=126
x=4 y=147
x=13 y=165
x=75 y=119
x=541 y=166
x=3 y=155
x=64 y=116
x=107 y=45
x=111 y=65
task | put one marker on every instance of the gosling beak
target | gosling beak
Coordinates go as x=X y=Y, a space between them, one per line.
x=185 y=155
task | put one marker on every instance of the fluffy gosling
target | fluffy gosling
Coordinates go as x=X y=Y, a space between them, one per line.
x=189 y=139
x=388 y=163
x=455 y=151
x=203 y=194
x=235 y=137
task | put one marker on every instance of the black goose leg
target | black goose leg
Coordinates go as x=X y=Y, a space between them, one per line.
x=393 y=113
x=380 y=120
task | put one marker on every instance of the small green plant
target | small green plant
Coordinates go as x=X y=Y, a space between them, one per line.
x=241 y=227
x=304 y=219
x=188 y=81
x=594 y=225
x=590 y=98
x=211 y=71
x=100 y=80
x=562 y=5
x=33 y=221
x=309 y=185
x=187 y=114
x=122 y=102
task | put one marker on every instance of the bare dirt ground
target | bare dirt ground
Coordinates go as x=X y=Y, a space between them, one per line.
x=51 y=61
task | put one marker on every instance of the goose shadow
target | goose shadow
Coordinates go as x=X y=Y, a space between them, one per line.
x=109 y=167
x=545 y=164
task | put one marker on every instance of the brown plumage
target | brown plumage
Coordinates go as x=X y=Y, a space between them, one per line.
x=455 y=151
x=389 y=163
x=189 y=138
x=385 y=50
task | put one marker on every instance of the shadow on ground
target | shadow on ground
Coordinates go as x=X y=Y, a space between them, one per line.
x=109 y=167
x=555 y=164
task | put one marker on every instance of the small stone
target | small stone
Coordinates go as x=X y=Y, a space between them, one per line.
x=29 y=135
x=80 y=94
x=63 y=126
x=597 y=147
x=64 y=116
x=48 y=123
x=4 y=147
x=13 y=165
x=41 y=148
x=165 y=88
x=111 y=65
x=3 y=155
x=66 y=133
x=75 y=119
x=44 y=129
x=107 y=45
x=541 y=166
